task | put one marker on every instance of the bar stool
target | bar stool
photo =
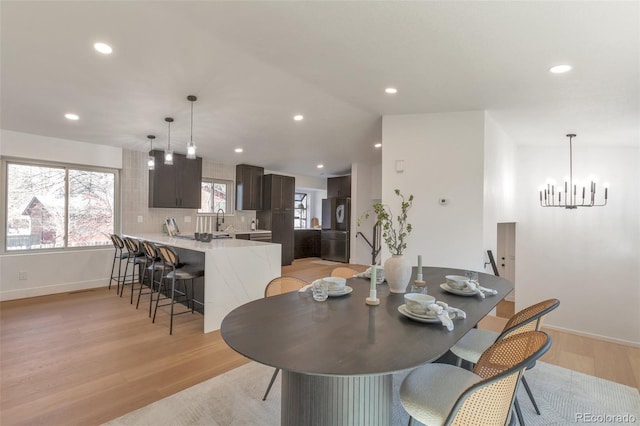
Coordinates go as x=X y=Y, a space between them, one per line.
x=118 y=255
x=176 y=272
x=153 y=264
x=137 y=260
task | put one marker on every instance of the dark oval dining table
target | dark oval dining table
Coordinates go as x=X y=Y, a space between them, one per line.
x=337 y=357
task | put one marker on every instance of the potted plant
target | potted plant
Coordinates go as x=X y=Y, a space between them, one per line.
x=395 y=230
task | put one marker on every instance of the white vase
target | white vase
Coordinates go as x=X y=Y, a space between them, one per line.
x=397 y=271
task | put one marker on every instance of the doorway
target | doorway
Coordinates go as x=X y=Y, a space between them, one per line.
x=506 y=260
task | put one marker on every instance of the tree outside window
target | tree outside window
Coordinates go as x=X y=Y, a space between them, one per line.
x=58 y=206
x=216 y=194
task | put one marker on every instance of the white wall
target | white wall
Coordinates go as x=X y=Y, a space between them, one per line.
x=55 y=272
x=499 y=181
x=443 y=157
x=36 y=147
x=365 y=191
x=588 y=258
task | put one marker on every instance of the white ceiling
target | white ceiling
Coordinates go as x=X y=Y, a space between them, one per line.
x=253 y=65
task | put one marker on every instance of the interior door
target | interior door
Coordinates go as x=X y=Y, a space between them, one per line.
x=507 y=254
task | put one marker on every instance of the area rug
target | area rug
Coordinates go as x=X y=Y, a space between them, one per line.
x=234 y=398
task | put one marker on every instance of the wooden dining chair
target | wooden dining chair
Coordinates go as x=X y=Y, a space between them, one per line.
x=476 y=341
x=282 y=285
x=443 y=394
x=343 y=272
x=277 y=286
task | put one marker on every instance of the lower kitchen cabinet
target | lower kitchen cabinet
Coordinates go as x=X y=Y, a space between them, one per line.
x=306 y=243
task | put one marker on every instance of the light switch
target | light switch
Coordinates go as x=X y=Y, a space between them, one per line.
x=140 y=219
x=187 y=219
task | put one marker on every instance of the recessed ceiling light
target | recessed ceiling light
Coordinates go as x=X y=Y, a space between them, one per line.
x=378 y=145
x=298 y=117
x=103 y=48
x=71 y=116
x=320 y=166
x=238 y=150
x=559 y=69
x=391 y=90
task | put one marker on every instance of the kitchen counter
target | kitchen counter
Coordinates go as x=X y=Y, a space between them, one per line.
x=236 y=271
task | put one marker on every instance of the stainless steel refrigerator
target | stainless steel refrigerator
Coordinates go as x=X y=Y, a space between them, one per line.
x=334 y=237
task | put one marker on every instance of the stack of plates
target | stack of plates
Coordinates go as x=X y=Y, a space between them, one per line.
x=337 y=293
x=461 y=292
x=421 y=318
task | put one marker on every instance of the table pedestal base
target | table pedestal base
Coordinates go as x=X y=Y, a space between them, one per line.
x=336 y=400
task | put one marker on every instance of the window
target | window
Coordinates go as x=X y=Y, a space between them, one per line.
x=300 y=210
x=58 y=206
x=216 y=194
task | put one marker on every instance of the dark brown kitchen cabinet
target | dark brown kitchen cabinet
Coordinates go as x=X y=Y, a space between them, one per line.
x=277 y=212
x=306 y=243
x=339 y=187
x=177 y=185
x=249 y=187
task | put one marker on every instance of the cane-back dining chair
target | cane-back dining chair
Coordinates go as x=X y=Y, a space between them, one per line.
x=443 y=394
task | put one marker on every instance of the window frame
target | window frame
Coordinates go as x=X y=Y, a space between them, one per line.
x=231 y=195
x=4 y=193
x=305 y=201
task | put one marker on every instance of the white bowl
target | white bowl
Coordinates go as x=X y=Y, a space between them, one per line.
x=418 y=302
x=335 y=283
x=457 y=282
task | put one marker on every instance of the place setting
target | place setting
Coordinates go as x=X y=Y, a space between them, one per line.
x=466 y=285
x=324 y=288
x=426 y=309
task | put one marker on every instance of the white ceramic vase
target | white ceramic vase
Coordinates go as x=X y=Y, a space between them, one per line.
x=397 y=271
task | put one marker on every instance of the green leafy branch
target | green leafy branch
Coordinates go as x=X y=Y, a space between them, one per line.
x=394 y=236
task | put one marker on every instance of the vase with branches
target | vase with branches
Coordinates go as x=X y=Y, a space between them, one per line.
x=395 y=230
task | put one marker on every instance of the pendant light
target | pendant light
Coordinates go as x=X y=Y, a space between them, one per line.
x=168 y=154
x=191 y=147
x=151 y=160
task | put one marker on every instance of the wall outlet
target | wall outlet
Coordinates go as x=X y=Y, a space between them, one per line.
x=22 y=275
x=187 y=219
x=140 y=219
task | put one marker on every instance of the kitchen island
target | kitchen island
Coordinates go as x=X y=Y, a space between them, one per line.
x=235 y=271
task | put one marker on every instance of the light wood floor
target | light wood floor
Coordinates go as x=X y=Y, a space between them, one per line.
x=88 y=357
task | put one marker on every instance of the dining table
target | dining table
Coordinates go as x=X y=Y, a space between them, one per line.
x=338 y=356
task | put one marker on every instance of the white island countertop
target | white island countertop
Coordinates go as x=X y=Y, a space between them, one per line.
x=190 y=244
x=235 y=271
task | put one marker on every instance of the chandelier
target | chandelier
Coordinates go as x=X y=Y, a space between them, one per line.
x=573 y=197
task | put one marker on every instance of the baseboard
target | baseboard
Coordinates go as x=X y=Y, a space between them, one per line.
x=52 y=289
x=593 y=336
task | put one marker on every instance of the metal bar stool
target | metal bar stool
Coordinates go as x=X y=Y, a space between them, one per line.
x=137 y=260
x=176 y=271
x=119 y=255
x=153 y=264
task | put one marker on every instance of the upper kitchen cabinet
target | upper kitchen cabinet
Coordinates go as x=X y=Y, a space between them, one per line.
x=249 y=187
x=177 y=185
x=339 y=187
x=277 y=212
x=279 y=193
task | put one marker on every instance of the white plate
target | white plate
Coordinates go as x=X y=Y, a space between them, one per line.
x=345 y=290
x=420 y=318
x=446 y=287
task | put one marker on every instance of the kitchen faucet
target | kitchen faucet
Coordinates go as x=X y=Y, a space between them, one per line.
x=218 y=219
